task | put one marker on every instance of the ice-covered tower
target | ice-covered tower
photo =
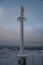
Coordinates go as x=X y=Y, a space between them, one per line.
x=21 y=55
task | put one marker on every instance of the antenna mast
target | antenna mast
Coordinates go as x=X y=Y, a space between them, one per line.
x=21 y=55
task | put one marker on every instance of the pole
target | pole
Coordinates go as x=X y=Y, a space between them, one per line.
x=21 y=55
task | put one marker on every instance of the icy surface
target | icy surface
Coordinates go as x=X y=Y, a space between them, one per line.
x=9 y=57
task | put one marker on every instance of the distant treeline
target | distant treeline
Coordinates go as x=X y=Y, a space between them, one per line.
x=18 y=48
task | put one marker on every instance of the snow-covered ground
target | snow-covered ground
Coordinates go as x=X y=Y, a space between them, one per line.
x=9 y=57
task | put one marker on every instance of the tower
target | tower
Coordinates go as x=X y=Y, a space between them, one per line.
x=21 y=55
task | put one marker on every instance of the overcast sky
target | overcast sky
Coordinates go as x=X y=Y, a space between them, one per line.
x=33 y=25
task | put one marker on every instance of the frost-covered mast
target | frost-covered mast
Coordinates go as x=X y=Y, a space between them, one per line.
x=21 y=55
x=21 y=20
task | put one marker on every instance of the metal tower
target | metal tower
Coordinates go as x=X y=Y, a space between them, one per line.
x=22 y=55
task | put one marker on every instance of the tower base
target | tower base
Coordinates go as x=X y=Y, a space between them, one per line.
x=22 y=59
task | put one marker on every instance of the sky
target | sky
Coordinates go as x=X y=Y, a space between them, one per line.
x=33 y=25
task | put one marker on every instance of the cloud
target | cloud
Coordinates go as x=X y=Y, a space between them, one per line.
x=2 y=16
x=34 y=34
x=8 y=28
x=2 y=11
x=8 y=16
x=7 y=35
